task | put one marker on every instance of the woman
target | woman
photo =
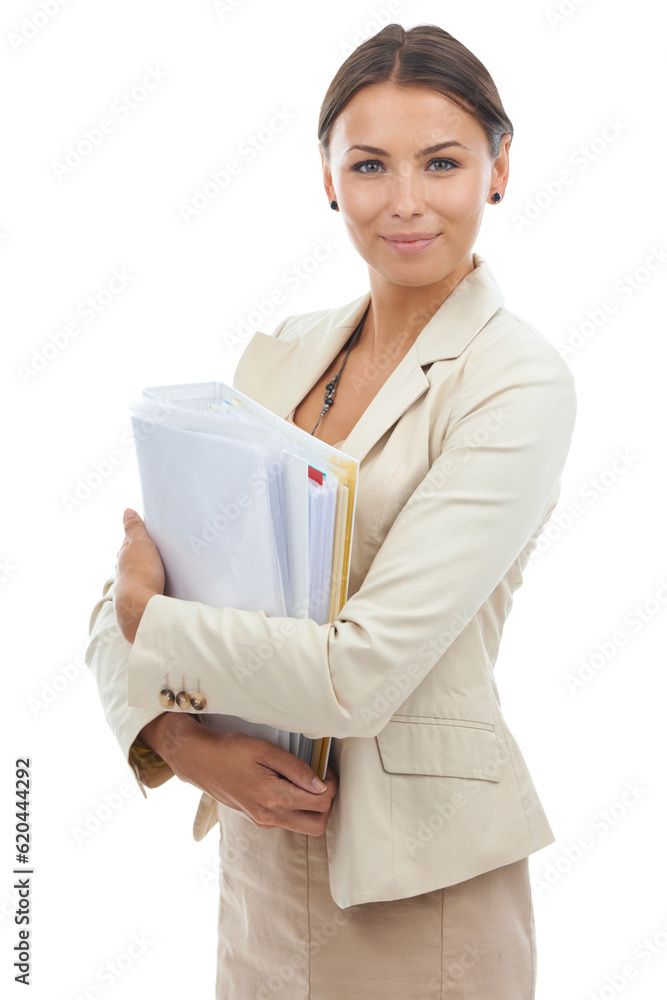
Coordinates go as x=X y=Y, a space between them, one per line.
x=461 y=415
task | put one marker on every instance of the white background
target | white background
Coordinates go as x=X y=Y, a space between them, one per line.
x=192 y=285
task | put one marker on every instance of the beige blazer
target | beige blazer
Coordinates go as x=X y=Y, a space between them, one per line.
x=461 y=453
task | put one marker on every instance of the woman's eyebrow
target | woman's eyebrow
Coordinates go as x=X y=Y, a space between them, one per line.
x=422 y=152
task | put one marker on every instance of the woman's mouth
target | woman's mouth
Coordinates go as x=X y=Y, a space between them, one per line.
x=408 y=244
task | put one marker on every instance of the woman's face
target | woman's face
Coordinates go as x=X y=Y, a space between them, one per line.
x=403 y=186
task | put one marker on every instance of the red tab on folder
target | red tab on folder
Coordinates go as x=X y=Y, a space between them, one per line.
x=315 y=474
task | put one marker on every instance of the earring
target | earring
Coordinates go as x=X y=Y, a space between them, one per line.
x=497 y=196
x=334 y=205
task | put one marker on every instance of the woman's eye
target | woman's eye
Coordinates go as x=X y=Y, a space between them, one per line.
x=450 y=163
x=367 y=163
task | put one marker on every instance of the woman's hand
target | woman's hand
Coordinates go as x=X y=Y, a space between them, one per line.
x=139 y=575
x=268 y=785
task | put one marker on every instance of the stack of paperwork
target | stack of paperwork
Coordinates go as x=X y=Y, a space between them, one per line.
x=248 y=511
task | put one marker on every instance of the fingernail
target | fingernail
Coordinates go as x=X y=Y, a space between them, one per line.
x=318 y=785
x=128 y=513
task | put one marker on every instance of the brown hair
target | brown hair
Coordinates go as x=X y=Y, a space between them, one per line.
x=425 y=55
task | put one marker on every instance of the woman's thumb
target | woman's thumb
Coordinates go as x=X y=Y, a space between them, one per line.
x=302 y=775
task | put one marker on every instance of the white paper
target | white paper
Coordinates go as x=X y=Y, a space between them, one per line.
x=237 y=519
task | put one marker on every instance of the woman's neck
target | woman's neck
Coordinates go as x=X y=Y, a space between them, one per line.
x=398 y=313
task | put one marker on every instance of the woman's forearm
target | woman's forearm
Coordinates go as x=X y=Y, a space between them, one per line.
x=168 y=733
x=266 y=783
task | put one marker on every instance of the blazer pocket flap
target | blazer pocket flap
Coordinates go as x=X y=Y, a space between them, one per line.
x=443 y=748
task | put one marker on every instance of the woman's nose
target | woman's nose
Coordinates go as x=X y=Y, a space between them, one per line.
x=406 y=192
x=406 y=198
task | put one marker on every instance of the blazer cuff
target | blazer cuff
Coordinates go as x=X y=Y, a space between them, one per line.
x=106 y=656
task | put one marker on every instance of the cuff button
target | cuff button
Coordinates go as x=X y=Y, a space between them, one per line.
x=167 y=697
x=183 y=699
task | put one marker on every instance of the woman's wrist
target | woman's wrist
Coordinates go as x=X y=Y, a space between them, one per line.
x=169 y=733
x=130 y=601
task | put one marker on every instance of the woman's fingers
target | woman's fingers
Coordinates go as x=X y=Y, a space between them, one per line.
x=139 y=575
x=254 y=777
x=293 y=768
x=139 y=561
x=270 y=791
x=281 y=797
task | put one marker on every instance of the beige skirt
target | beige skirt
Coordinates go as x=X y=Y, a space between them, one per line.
x=282 y=937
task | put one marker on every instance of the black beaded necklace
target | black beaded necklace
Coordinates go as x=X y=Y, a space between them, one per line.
x=331 y=386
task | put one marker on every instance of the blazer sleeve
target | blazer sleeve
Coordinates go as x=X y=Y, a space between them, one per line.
x=106 y=656
x=454 y=540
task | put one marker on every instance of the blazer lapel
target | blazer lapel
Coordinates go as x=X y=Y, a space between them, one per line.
x=278 y=372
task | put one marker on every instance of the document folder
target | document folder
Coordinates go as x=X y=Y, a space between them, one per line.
x=248 y=511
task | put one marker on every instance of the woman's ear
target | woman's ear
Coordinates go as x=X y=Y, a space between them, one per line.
x=326 y=176
x=501 y=166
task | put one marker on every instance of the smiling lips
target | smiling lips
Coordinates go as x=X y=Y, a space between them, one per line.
x=410 y=243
